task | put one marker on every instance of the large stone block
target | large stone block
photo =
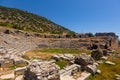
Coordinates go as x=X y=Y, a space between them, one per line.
x=38 y=70
x=84 y=59
x=97 y=54
x=91 y=69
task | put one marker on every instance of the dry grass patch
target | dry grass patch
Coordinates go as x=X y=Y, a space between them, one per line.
x=108 y=71
x=48 y=52
x=37 y=55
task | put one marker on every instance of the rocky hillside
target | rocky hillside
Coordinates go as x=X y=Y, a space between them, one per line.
x=23 y=20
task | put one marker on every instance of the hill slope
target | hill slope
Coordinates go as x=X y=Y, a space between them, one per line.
x=23 y=20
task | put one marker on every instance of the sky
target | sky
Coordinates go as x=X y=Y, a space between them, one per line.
x=80 y=16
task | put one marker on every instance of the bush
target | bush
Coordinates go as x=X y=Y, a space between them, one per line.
x=3 y=24
x=15 y=26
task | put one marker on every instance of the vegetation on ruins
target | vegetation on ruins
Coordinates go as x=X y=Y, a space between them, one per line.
x=23 y=20
x=62 y=63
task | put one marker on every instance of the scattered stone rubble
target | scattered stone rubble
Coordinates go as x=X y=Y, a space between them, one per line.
x=63 y=56
x=84 y=59
x=70 y=70
x=40 y=70
x=48 y=70
x=87 y=63
x=100 y=54
x=117 y=76
x=7 y=60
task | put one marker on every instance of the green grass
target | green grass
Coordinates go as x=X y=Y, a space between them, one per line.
x=3 y=24
x=108 y=71
x=61 y=50
x=12 y=67
x=62 y=63
x=16 y=66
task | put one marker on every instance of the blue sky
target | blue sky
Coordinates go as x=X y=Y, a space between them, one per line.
x=77 y=15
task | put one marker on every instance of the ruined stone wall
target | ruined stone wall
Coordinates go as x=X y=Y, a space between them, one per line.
x=63 y=41
x=114 y=43
x=80 y=43
x=112 y=38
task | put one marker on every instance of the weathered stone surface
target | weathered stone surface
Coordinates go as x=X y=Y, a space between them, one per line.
x=95 y=46
x=9 y=75
x=100 y=62
x=98 y=71
x=87 y=63
x=63 y=56
x=96 y=64
x=70 y=56
x=84 y=59
x=19 y=71
x=117 y=76
x=70 y=70
x=53 y=40
x=2 y=51
x=117 y=55
x=38 y=70
x=97 y=54
x=67 y=77
x=56 y=57
x=1 y=61
x=105 y=52
x=7 y=60
x=104 y=58
x=84 y=76
x=91 y=69
x=110 y=63
x=8 y=31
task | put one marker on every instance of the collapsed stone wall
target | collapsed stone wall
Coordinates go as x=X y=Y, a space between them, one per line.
x=41 y=70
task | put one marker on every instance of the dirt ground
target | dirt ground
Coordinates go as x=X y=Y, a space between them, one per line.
x=38 y=55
